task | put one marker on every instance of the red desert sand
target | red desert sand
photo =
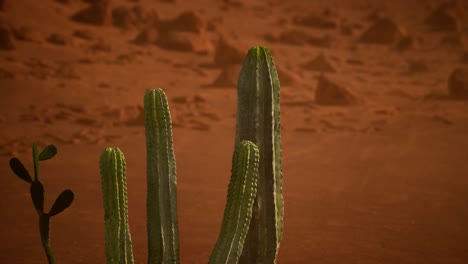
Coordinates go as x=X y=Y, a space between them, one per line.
x=374 y=126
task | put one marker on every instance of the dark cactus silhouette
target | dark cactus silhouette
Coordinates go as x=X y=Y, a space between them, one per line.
x=62 y=202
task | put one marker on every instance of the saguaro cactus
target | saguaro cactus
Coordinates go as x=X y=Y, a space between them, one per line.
x=162 y=225
x=238 y=211
x=63 y=201
x=114 y=189
x=258 y=120
x=253 y=218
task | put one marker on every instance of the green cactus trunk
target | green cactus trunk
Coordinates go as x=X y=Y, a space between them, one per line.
x=114 y=188
x=258 y=120
x=163 y=230
x=238 y=211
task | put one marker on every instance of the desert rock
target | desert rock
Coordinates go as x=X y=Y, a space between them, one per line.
x=464 y=57
x=458 y=83
x=454 y=39
x=125 y=17
x=6 y=38
x=287 y=77
x=417 y=66
x=316 y=21
x=83 y=34
x=59 y=39
x=27 y=34
x=147 y=36
x=228 y=76
x=319 y=63
x=329 y=92
x=407 y=43
x=184 y=41
x=384 y=31
x=185 y=22
x=96 y=14
x=294 y=37
x=447 y=17
x=300 y=38
x=186 y=32
x=227 y=52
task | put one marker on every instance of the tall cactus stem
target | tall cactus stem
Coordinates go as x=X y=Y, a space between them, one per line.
x=114 y=188
x=163 y=230
x=258 y=120
x=238 y=211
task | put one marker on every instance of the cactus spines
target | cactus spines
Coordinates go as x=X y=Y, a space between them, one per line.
x=238 y=211
x=163 y=230
x=114 y=188
x=258 y=120
x=37 y=192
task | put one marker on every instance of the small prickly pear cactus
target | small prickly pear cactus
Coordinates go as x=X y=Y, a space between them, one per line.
x=62 y=202
x=114 y=189
x=238 y=211
x=162 y=225
x=258 y=120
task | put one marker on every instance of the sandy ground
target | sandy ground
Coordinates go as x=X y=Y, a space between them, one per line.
x=375 y=142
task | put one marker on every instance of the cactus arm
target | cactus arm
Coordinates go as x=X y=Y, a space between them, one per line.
x=163 y=231
x=36 y=162
x=258 y=120
x=125 y=236
x=226 y=225
x=238 y=211
x=113 y=182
